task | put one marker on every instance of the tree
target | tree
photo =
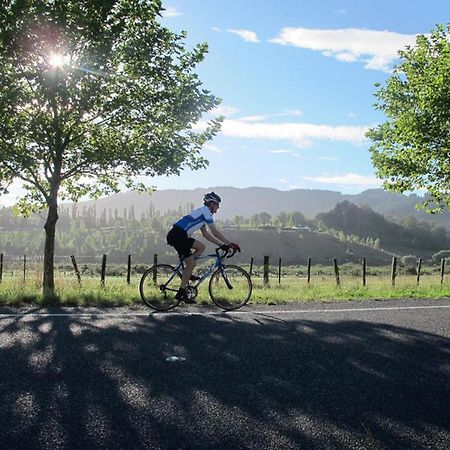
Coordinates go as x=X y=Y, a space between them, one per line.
x=254 y=220
x=282 y=219
x=265 y=218
x=298 y=219
x=410 y=150
x=439 y=256
x=94 y=94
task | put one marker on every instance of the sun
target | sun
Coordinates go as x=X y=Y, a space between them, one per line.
x=57 y=60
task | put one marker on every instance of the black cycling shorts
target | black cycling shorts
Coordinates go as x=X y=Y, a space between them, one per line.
x=179 y=239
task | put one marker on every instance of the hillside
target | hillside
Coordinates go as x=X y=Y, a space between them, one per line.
x=295 y=248
x=364 y=222
x=89 y=236
x=254 y=200
x=130 y=223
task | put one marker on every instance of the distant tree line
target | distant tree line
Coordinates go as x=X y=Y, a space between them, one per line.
x=88 y=232
x=365 y=223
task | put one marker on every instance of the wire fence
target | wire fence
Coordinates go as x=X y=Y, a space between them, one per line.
x=30 y=267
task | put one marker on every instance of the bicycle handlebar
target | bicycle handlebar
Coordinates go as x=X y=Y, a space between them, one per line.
x=226 y=250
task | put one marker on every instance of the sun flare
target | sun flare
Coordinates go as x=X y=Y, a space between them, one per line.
x=57 y=60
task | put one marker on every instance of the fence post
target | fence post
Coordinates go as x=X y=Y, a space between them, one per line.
x=336 y=272
x=364 y=271
x=155 y=262
x=24 y=267
x=251 y=266
x=102 y=279
x=129 y=270
x=279 y=271
x=1 y=267
x=266 y=271
x=75 y=267
x=442 y=270
x=308 y=280
x=419 y=266
x=393 y=270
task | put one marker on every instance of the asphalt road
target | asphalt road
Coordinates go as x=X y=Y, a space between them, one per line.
x=356 y=375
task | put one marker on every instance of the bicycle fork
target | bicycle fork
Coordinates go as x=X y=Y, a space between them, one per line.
x=224 y=276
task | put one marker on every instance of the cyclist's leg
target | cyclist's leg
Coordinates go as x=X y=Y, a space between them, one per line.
x=190 y=262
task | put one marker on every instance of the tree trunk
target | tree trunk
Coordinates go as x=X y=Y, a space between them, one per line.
x=49 y=250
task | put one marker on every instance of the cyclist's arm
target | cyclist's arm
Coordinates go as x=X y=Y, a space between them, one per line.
x=218 y=234
x=210 y=237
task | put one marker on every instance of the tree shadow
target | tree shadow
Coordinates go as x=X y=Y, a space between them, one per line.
x=94 y=382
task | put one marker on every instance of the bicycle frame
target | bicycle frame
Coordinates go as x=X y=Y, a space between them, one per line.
x=218 y=264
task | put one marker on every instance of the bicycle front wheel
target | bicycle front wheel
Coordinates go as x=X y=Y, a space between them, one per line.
x=231 y=288
x=158 y=287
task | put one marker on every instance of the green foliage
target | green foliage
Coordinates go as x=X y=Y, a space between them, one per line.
x=93 y=95
x=88 y=233
x=410 y=150
x=410 y=263
x=437 y=257
x=349 y=220
x=122 y=104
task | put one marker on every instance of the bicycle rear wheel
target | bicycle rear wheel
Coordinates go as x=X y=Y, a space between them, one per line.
x=158 y=287
x=232 y=289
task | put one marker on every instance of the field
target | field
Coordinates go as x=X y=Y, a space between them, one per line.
x=292 y=286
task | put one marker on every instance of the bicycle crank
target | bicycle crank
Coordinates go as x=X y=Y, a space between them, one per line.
x=191 y=292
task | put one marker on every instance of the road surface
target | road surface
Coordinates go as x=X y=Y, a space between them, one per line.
x=356 y=375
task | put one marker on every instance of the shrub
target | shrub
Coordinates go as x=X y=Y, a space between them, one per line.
x=436 y=258
x=410 y=262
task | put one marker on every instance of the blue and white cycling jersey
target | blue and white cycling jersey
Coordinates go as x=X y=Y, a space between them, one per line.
x=195 y=220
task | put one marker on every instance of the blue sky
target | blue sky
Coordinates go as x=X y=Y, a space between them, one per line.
x=296 y=79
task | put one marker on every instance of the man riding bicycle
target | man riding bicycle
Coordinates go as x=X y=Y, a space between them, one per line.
x=180 y=238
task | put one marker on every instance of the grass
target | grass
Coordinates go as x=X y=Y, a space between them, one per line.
x=325 y=289
x=69 y=292
x=116 y=292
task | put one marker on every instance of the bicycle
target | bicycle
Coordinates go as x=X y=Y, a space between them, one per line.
x=230 y=286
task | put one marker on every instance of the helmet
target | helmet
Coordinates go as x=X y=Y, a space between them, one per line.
x=211 y=197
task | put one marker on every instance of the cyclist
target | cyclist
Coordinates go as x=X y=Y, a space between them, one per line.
x=180 y=238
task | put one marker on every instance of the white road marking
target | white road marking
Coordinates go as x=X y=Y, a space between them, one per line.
x=220 y=313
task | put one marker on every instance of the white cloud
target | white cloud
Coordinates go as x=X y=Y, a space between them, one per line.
x=348 y=179
x=280 y=151
x=345 y=56
x=377 y=49
x=285 y=152
x=328 y=158
x=224 y=110
x=293 y=112
x=213 y=148
x=249 y=36
x=301 y=134
x=253 y=118
x=219 y=30
x=286 y=113
x=171 y=11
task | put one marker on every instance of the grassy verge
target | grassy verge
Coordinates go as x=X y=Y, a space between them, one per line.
x=117 y=292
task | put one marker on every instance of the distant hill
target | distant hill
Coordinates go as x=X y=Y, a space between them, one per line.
x=295 y=248
x=364 y=222
x=249 y=201
x=116 y=227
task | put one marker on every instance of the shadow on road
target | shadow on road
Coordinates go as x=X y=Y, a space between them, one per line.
x=96 y=383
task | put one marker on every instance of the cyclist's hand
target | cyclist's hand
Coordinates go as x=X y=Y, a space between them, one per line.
x=235 y=247
x=225 y=247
